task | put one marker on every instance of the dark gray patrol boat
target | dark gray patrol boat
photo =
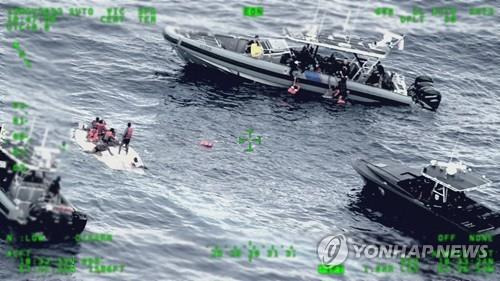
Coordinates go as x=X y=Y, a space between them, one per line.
x=27 y=204
x=437 y=193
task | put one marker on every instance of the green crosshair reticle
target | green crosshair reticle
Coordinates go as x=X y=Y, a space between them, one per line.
x=257 y=140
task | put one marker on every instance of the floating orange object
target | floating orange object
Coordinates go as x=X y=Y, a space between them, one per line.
x=294 y=89
x=206 y=143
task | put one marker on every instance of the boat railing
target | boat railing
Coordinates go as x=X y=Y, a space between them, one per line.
x=206 y=38
x=278 y=54
x=365 y=69
x=273 y=57
x=399 y=84
x=217 y=42
x=40 y=158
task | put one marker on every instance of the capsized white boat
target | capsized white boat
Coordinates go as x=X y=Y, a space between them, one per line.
x=115 y=161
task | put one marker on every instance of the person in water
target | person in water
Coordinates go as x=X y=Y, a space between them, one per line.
x=127 y=136
x=332 y=92
x=342 y=88
x=136 y=164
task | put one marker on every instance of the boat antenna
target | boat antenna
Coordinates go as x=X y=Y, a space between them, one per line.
x=316 y=13
x=32 y=127
x=356 y=16
x=346 y=23
x=321 y=24
x=453 y=151
x=45 y=134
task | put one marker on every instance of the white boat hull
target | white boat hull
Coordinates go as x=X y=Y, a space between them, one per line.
x=115 y=161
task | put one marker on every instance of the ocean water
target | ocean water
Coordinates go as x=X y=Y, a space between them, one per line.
x=297 y=187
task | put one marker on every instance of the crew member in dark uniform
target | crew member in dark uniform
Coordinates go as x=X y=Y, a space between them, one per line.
x=342 y=86
x=55 y=186
x=53 y=192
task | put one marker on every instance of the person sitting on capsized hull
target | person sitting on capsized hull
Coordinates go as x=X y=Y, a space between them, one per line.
x=101 y=146
x=109 y=137
x=93 y=136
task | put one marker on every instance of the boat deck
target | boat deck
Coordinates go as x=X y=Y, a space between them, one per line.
x=462 y=210
x=208 y=39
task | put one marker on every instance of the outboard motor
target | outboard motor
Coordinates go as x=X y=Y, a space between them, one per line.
x=422 y=92
x=58 y=222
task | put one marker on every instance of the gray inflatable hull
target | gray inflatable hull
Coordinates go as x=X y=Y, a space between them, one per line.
x=265 y=72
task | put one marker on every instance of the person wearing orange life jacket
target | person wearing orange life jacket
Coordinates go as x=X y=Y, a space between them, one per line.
x=107 y=141
x=92 y=136
x=109 y=136
x=127 y=135
x=101 y=127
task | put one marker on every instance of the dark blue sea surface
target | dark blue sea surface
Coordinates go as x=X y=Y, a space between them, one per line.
x=296 y=187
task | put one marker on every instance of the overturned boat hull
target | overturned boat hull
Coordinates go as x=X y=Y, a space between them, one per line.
x=116 y=161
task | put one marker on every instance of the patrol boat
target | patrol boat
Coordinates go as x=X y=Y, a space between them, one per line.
x=26 y=205
x=367 y=81
x=437 y=192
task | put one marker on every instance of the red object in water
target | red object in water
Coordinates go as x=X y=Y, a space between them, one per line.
x=294 y=89
x=206 y=143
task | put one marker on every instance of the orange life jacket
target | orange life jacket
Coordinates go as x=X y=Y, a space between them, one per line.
x=100 y=128
x=108 y=135
x=92 y=133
